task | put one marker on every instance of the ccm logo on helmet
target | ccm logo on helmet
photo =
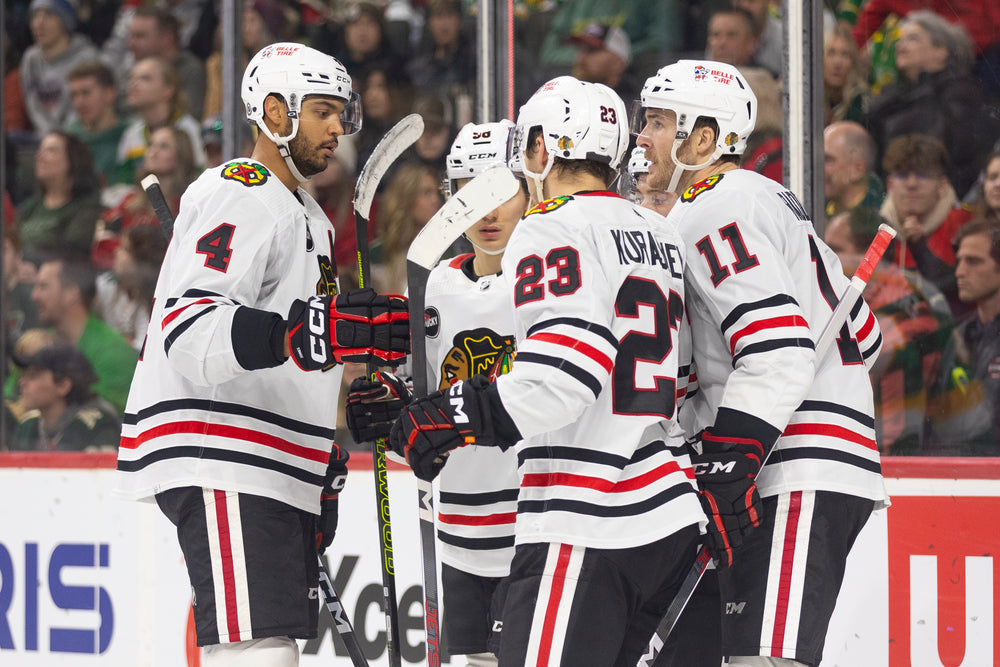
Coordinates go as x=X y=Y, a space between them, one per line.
x=482 y=156
x=317 y=331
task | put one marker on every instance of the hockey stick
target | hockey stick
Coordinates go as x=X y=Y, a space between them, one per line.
x=340 y=620
x=466 y=207
x=400 y=137
x=848 y=299
x=151 y=184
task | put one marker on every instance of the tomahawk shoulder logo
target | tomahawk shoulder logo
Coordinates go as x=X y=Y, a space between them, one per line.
x=700 y=187
x=247 y=173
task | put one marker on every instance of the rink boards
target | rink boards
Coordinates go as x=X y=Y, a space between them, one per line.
x=88 y=579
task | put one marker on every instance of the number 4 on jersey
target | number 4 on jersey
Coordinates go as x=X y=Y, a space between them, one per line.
x=215 y=246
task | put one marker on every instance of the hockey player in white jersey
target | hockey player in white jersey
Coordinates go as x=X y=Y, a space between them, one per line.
x=470 y=330
x=607 y=515
x=760 y=287
x=233 y=439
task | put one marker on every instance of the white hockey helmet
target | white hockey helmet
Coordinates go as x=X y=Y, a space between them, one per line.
x=295 y=71
x=476 y=149
x=696 y=88
x=579 y=121
x=637 y=162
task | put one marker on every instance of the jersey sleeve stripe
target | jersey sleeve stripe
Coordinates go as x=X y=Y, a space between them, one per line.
x=201 y=428
x=578 y=345
x=578 y=323
x=770 y=302
x=572 y=453
x=224 y=407
x=868 y=326
x=770 y=345
x=831 y=431
x=173 y=315
x=603 y=485
x=574 y=371
x=195 y=294
x=470 y=520
x=168 y=341
x=193 y=452
x=769 y=323
x=875 y=347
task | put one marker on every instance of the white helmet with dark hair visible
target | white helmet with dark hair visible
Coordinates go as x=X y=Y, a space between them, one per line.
x=704 y=88
x=476 y=149
x=295 y=72
x=578 y=120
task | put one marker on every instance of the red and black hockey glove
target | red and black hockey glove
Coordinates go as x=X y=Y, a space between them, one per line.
x=373 y=405
x=463 y=414
x=359 y=326
x=333 y=483
x=725 y=470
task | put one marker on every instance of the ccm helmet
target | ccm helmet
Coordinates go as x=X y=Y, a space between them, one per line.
x=579 y=121
x=476 y=149
x=637 y=164
x=295 y=71
x=693 y=88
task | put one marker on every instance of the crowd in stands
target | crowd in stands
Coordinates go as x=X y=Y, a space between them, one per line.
x=98 y=94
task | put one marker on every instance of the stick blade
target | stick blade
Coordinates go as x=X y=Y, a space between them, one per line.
x=465 y=208
x=401 y=136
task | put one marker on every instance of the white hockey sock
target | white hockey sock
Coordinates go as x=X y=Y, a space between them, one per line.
x=480 y=660
x=265 y=652
x=761 y=661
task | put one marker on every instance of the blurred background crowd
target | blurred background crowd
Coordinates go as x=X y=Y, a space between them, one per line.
x=99 y=93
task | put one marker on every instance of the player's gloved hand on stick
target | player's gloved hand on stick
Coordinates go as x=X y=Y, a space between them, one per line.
x=336 y=476
x=359 y=326
x=725 y=470
x=374 y=404
x=430 y=427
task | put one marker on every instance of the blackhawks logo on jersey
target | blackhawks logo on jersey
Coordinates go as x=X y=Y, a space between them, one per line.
x=548 y=205
x=701 y=186
x=247 y=173
x=476 y=351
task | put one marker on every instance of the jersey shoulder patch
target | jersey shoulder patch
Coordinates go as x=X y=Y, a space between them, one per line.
x=548 y=205
x=700 y=187
x=247 y=173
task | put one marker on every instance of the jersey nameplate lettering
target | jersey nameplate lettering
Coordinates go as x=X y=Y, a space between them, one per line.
x=639 y=247
x=247 y=173
x=548 y=205
x=701 y=186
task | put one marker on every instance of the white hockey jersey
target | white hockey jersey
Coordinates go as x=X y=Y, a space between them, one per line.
x=760 y=289
x=195 y=416
x=598 y=296
x=470 y=330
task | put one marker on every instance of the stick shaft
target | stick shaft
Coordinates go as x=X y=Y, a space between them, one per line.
x=151 y=184
x=340 y=618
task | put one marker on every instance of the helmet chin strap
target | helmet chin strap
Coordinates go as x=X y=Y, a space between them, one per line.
x=681 y=167
x=282 y=144
x=535 y=179
x=492 y=253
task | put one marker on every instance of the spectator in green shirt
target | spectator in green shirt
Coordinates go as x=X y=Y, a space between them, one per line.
x=64 y=293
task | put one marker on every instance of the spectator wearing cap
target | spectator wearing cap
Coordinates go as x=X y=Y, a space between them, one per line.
x=63 y=412
x=64 y=294
x=603 y=54
x=93 y=92
x=56 y=50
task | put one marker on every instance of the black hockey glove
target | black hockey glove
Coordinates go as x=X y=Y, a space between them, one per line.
x=359 y=326
x=725 y=470
x=461 y=415
x=336 y=476
x=372 y=406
